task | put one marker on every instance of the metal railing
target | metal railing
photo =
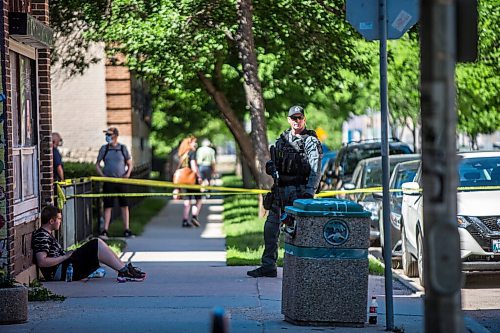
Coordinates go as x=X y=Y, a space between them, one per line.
x=77 y=213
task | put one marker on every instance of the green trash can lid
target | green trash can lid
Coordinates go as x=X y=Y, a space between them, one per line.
x=326 y=207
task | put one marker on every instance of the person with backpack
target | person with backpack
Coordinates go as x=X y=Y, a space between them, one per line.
x=118 y=164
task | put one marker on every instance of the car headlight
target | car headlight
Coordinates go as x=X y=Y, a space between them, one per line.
x=462 y=222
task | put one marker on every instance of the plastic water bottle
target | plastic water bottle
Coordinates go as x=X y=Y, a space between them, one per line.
x=69 y=273
x=372 y=316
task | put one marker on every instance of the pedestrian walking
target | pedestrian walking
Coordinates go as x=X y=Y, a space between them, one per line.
x=205 y=158
x=187 y=161
x=53 y=261
x=57 y=164
x=298 y=164
x=117 y=164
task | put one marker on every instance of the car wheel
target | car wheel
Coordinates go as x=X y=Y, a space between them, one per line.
x=409 y=264
x=420 y=258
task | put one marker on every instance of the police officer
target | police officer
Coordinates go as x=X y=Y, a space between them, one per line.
x=298 y=164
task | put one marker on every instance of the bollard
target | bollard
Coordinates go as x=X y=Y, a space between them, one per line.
x=220 y=322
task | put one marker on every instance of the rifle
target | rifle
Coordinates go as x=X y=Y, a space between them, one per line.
x=274 y=195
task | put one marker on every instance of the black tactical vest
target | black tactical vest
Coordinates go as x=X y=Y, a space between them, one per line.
x=291 y=159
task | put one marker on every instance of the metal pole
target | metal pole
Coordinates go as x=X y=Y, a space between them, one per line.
x=389 y=313
x=441 y=244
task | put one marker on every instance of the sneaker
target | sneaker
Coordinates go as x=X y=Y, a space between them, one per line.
x=127 y=233
x=104 y=234
x=129 y=275
x=99 y=273
x=195 y=222
x=136 y=270
x=263 y=272
x=186 y=224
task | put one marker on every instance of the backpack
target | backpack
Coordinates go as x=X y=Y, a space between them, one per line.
x=107 y=149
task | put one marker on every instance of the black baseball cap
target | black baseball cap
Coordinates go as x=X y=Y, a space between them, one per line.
x=295 y=109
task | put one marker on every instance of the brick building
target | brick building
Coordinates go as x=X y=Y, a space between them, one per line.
x=105 y=95
x=25 y=143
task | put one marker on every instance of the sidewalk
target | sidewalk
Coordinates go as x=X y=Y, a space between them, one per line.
x=187 y=278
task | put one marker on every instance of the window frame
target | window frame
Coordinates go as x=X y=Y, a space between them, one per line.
x=26 y=205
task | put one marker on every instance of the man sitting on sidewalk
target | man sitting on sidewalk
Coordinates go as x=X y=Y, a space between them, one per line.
x=53 y=260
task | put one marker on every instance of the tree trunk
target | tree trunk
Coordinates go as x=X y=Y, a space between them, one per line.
x=246 y=174
x=253 y=89
x=473 y=142
x=232 y=122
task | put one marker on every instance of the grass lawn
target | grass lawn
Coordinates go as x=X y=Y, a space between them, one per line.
x=140 y=215
x=243 y=228
x=117 y=245
x=244 y=231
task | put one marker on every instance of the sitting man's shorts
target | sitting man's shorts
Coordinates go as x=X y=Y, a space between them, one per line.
x=85 y=261
x=114 y=188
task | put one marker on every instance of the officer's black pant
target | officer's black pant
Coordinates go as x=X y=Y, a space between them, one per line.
x=272 y=224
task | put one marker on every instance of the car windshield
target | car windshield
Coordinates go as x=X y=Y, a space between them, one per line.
x=480 y=171
x=373 y=173
x=405 y=176
x=360 y=153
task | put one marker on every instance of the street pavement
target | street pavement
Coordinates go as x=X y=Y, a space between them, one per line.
x=186 y=279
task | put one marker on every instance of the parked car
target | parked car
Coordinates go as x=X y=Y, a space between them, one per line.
x=368 y=173
x=478 y=216
x=349 y=155
x=403 y=172
x=327 y=164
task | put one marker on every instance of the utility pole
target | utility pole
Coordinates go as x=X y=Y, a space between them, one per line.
x=442 y=262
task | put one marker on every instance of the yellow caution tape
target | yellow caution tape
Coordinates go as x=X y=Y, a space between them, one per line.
x=61 y=199
x=478 y=188
x=324 y=194
x=215 y=190
x=153 y=194
x=161 y=183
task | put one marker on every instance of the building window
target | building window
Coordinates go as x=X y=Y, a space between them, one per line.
x=24 y=133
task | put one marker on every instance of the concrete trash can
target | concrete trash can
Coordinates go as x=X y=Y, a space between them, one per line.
x=325 y=270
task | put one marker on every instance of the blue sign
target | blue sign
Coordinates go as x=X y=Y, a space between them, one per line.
x=363 y=15
x=336 y=232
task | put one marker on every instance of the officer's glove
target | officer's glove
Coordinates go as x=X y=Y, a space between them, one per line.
x=306 y=195
x=270 y=167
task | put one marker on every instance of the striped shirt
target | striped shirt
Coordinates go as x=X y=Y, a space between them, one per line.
x=43 y=241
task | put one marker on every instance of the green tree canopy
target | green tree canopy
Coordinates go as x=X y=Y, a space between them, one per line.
x=190 y=48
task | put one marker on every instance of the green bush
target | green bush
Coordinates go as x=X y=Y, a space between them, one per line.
x=79 y=170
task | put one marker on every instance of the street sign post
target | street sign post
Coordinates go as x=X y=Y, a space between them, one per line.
x=380 y=20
